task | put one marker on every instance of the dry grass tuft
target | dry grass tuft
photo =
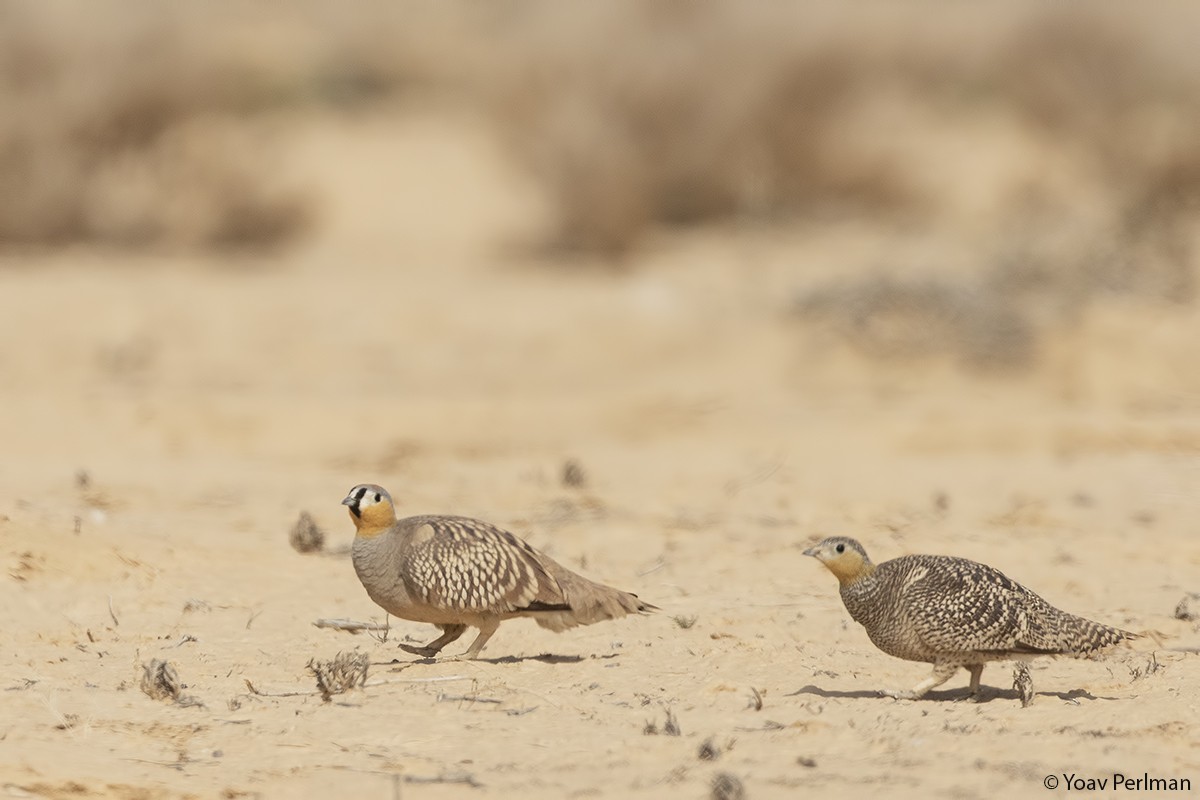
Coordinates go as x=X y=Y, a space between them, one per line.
x=670 y=726
x=1023 y=683
x=573 y=474
x=306 y=536
x=160 y=681
x=340 y=675
x=726 y=786
x=709 y=750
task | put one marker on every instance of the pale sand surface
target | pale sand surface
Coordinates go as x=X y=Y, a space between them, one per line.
x=411 y=343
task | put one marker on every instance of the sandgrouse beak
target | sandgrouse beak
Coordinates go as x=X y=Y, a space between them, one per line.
x=351 y=501
x=812 y=551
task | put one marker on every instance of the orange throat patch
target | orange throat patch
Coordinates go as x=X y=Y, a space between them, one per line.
x=373 y=522
x=850 y=574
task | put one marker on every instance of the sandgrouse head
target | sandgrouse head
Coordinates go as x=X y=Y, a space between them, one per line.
x=371 y=509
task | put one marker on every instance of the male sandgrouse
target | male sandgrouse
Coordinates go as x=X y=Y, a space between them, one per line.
x=953 y=613
x=457 y=572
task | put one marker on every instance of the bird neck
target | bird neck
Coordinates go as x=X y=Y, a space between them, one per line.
x=849 y=575
x=370 y=531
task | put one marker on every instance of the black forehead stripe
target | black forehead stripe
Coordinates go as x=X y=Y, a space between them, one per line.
x=362 y=491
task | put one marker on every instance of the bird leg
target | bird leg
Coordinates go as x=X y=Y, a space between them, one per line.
x=973 y=692
x=941 y=674
x=485 y=632
x=976 y=673
x=449 y=634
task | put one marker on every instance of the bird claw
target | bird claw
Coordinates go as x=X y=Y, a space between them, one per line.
x=899 y=694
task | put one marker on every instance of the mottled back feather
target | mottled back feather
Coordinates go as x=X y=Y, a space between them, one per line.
x=930 y=608
x=473 y=566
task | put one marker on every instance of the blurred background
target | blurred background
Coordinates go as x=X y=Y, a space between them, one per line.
x=231 y=231
x=643 y=282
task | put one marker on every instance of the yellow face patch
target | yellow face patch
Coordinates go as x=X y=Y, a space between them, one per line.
x=371 y=509
x=849 y=567
x=844 y=558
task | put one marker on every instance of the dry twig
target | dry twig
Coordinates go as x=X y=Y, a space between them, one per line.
x=351 y=626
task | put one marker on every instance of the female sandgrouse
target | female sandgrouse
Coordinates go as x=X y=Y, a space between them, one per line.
x=457 y=572
x=953 y=613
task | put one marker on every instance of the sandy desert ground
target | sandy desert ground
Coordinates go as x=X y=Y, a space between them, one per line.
x=165 y=417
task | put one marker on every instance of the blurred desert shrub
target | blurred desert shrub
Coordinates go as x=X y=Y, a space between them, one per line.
x=640 y=115
x=634 y=115
x=142 y=123
x=156 y=124
x=123 y=124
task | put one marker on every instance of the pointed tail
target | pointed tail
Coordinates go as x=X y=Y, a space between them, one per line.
x=589 y=602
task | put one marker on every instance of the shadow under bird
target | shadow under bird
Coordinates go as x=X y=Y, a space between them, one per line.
x=458 y=572
x=952 y=613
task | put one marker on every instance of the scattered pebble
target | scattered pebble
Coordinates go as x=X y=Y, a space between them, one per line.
x=1189 y=607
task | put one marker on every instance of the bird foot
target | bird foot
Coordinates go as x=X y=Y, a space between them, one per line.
x=970 y=697
x=900 y=694
x=423 y=652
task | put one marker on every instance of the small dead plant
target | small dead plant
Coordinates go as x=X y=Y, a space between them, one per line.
x=341 y=674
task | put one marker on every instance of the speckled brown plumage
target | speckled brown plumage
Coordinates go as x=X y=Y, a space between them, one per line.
x=952 y=612
x=457 y=572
